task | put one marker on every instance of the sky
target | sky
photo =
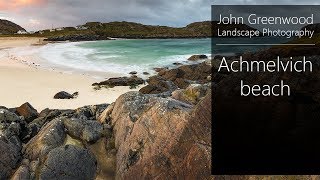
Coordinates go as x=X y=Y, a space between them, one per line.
x=43 y=14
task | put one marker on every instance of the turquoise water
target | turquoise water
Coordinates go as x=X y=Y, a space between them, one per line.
x=146 y=51
x=124 y=56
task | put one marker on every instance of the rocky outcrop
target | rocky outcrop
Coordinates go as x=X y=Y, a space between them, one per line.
x=23 y=172
x=78 y=37
x=87 y=131
x=194 y=149
x=27 y=111
x=69 y=162
x=89 y=112
x=197 y=57
x=177 y=63
x=158 y=85
x=121 y=81
x=145 y=128
x=170 y=80
x=137 y=137
x=192 y=94
x=57 y=144
x=105 y=115
x=159 y=69
x=51 y=136
x=148 y=130
x=10 y=144
x=133 y=72
x=34 y=127
x=10 y=156
x=65 y=95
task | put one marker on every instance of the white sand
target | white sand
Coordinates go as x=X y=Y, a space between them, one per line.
x=21 y=83
x=10 y=42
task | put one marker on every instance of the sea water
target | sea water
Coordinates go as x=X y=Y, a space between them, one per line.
x=122 y=56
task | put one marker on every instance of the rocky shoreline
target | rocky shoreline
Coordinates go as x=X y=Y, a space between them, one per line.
x=77 y=37
x=84 y=37
x=144 y=135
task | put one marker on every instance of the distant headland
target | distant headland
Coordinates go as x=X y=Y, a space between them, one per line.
x=129 y=30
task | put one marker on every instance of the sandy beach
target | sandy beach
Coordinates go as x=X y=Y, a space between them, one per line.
x=24 y=83
x=11 y=42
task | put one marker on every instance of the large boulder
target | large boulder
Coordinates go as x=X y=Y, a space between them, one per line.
x=192 y=94
x=87 y=131
x=133 y=72
x=65 y=95
x=52 y=135
x=121 y=81
x=84 y=113
x=7 y=116
x=173 y=74
x=27 y=111
x=104 y=117
x=159 y=69
x=69 y=162
x=147 y=132
x=34 y=127
x=90 y=112
x=173 y=79
x=46 y=115
x=197 y=57
x=92 y=131
x=194 y=147
x=10 y=156
x=157 y=85
x=11 y=127
x=22 y=172
x=10 y=145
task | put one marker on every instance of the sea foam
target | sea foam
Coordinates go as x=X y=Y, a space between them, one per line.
x=118 y=57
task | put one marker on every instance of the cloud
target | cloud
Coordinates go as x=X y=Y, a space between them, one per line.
x=71 y=12
x=34 y=21
x=15 y=4
x=157 y=12
x=7 y=18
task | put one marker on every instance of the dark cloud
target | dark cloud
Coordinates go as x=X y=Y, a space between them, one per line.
x=71 y=12
x=156 y=12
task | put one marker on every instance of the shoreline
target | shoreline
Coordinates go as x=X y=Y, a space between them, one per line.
x=25 y=82
x=126 y=38
x=37 y=62
x=29 y=78
x=13 y=42
x=80 y=58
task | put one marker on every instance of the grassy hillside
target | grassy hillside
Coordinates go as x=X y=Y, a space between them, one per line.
x=136 y=30
x=133 y=30
x=8 y=27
